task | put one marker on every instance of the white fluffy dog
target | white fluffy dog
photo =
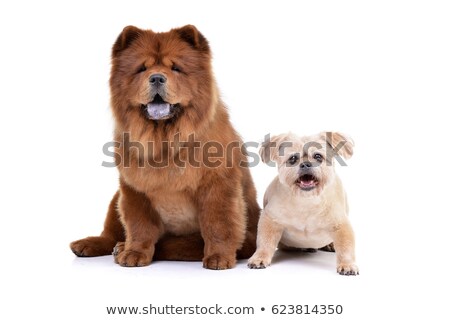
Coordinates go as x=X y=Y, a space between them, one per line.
x=306 y=206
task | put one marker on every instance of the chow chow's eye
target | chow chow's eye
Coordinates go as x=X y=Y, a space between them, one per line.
x=293 y=159
x=176 y=68
x=318 y=157
x=142 y=69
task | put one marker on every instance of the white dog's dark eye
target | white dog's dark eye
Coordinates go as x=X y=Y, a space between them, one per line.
x=318 y=157
x=293 y=159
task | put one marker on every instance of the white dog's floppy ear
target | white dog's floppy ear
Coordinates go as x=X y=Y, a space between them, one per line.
x=269 y=149
x=342 y=144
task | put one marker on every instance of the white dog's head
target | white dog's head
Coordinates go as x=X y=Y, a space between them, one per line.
x=306 y=164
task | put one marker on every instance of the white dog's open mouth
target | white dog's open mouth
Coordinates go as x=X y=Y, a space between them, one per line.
x=307 y=182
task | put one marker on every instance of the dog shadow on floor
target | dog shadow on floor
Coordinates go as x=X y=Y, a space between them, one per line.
x=306 y=258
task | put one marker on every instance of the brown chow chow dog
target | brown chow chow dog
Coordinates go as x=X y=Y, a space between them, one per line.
x=185 y=190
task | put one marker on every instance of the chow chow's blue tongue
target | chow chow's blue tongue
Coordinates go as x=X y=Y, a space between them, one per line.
x=158 y=111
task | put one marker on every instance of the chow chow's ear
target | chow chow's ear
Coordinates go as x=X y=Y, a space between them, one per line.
x=340 y=143
x=270 y=148
x=125 y=38
x=191 y=35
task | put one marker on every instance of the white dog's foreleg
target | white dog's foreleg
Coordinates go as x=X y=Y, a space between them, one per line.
x=269 y=235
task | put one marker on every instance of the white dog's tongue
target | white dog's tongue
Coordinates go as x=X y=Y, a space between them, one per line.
x=307 y=184
x=158 y=111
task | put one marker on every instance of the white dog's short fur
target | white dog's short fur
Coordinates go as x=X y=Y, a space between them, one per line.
x=305 y=206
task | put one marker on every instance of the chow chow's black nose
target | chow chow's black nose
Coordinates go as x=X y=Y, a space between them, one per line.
x=157 y=79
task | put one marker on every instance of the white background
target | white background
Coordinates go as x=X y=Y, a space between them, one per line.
x=379 y=71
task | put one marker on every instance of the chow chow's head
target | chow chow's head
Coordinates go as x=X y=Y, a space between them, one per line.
x=159 y=77
x=306 y=164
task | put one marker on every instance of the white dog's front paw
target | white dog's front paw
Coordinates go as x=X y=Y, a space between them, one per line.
x=348 y=269
x=259 y=261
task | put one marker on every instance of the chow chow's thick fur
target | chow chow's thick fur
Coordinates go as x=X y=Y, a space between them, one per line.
x=175 y=201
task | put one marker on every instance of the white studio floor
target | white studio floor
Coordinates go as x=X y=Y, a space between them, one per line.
x=85 y=287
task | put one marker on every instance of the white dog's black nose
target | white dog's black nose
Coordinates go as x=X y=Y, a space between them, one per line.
x=305 y=165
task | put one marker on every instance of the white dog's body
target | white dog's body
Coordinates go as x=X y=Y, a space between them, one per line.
x=310 y=213
x=307 y=221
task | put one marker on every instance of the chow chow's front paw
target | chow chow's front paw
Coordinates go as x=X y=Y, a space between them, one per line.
x=131 y=258
x=219 y=262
